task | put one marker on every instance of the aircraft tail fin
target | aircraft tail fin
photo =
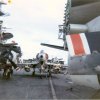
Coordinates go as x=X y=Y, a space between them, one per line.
x=83 y=43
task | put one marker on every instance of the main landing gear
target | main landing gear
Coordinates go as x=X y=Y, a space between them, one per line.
x=7 y=73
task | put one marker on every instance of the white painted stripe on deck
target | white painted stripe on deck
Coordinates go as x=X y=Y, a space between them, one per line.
x=52 y=90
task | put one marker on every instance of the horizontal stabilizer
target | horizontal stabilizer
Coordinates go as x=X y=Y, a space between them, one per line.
x=82 y=2
x=85 y=13
x=54 y=46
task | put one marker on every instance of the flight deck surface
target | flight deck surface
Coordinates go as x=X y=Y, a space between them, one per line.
x=24 y=86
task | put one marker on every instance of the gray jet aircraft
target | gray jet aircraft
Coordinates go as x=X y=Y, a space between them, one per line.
x=41 y=62
x=81 y=35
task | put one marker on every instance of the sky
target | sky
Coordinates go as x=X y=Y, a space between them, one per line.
x=33 y=22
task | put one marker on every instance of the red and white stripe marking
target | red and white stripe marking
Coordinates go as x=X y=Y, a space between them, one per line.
x=77 y=44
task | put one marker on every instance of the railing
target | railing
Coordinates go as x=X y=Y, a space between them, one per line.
x=65 y=28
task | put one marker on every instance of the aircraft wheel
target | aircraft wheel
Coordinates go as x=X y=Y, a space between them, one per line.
x=40 y=76
x=98 y=75
x=33 y=73
x=40 y=73
x=11 y=71
x=27 y=69
x=49 y=72
x=7 y=74
x=56 y=71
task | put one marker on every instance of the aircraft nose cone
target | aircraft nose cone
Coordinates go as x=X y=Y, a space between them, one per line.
x=41 y=56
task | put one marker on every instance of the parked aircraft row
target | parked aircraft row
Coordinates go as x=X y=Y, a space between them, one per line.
x=42 y=63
